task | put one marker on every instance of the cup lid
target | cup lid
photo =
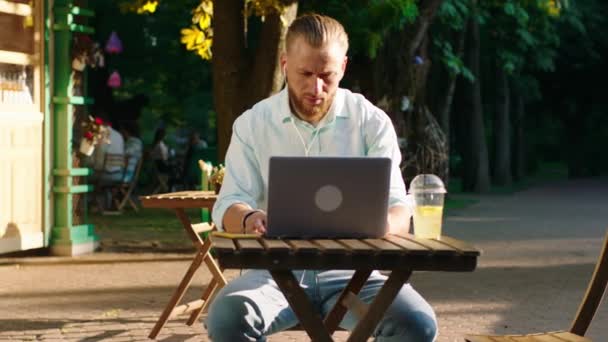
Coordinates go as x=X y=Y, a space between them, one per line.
x=427 y=183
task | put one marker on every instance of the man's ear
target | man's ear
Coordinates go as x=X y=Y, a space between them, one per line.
x=344 y=64
x=283 y=63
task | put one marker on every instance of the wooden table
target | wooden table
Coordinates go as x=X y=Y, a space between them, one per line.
x=179 y=201
x=401 y=255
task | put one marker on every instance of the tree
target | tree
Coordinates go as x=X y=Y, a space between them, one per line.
x=244 y=73
x=476 y=165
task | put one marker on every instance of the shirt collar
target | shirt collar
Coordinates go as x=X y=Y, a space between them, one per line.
x=336 y=109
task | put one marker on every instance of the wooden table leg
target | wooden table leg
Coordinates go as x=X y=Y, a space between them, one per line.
x=205 y=297
x=299 y=302
x=177 y=296
x=378 y=307
x=214 y=286
x=334 y=317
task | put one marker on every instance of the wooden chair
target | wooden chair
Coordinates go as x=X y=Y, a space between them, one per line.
x=205 y=186
x=105 y=181
x=582 y=320
x=161 y=182
x=121 y=192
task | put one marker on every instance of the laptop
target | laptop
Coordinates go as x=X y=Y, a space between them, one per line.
x=328 y=197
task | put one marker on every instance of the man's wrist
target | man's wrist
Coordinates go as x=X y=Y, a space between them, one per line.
x=246 y=216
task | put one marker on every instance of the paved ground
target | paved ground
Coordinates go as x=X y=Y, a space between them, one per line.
x=540 y=247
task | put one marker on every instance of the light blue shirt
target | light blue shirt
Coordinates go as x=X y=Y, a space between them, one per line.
x=353 y=127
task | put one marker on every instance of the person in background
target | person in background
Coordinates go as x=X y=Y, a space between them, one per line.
x=107 y=173
x=190 y=166
x=160 y=152
x=133 y=148
x=107 y=170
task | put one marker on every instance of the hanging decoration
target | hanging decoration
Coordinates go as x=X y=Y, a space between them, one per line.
x=114 y=80
x=113 y=45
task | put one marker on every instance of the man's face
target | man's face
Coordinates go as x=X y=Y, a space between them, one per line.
x=313 y=75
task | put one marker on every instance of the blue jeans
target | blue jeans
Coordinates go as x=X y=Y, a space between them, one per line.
x=252 y=307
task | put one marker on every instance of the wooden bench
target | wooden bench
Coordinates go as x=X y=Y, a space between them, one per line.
x=583 y=318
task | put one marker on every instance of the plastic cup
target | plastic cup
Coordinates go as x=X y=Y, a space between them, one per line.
x=428 y=192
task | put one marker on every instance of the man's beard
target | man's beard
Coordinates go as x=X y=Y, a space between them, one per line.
x=307 y=111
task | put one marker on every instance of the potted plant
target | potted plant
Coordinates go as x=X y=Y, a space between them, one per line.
x=95 y=131
x=217 y=177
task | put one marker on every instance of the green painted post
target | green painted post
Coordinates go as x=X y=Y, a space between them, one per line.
x=66 y=239
x=48 y=152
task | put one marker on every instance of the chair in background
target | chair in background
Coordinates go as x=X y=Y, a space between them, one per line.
x=123 y=191
x=110 y=174
x=161 y=181
x=591 y=301
x=205 y=169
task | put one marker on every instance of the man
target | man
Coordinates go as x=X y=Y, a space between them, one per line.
x=311 y=117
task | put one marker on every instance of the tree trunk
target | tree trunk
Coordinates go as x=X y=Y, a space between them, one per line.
x=446 y=107
x=476 y=170
x=397 y=76
x=238 y=80
x=502 y=131
x=519 y=144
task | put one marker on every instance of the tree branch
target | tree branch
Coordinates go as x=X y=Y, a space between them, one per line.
x=266 y=77
x=427 y=10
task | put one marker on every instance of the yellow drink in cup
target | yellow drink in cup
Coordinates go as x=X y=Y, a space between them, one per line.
x=428 y=192
x=427 y=221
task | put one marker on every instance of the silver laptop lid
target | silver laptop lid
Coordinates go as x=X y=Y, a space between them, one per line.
x=328 y=197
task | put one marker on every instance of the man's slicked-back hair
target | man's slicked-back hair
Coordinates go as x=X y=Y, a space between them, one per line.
x=317 y=30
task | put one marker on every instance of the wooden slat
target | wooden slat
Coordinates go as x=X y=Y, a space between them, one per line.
x=276 y=246
x=412 y=247
x=330 y=246
x=202 y=227
x=16 y=58
x=384 y=245
x=10 y=7
x=518 y=338
x=570 y=337
x=357 y=246
x=559 y=336
x=250 y=245
x=303 y=246
x=355 y=305
x=462 y=246
x=223 y=244
x=543 y=338
x=181 y=199
x=337 y=312
x=186 y=308
x=437 y=247
x=479 y=338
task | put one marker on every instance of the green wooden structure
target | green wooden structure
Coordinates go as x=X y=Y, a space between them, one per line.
x=66 y=238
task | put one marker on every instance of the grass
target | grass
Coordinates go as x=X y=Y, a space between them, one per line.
x=152 y=230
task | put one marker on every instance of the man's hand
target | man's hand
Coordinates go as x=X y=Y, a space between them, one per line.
x=255 y=223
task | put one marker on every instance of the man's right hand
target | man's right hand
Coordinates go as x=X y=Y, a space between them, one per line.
x=256 y=223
